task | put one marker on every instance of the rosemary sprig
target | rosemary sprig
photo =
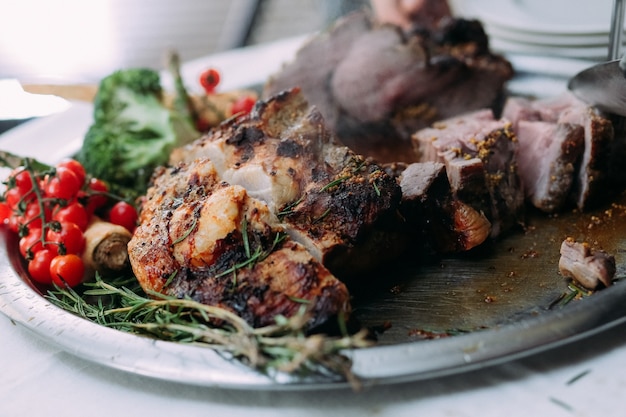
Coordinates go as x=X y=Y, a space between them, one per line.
x=283 y=346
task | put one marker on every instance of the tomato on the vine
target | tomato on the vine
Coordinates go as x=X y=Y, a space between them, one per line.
x=39 y=266
x=209 y=79
x=96 y=197
x=12 y=197
x=67 y=270
x=23 y=180
x=33 y=216
x=124 y=214
x=5 y=212
x=63 y=185
x=31 y=243
x=69 y=235
x=73 y=213
x=76 y=167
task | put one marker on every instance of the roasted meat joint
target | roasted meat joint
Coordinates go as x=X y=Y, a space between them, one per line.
x=375 y=146
x=264 y=214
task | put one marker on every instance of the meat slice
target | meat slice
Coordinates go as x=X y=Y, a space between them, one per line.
x=202 y=238
x=376 y=85
x=443 y=223
x=340 y=206
x=591 y=268
x=548 y=161
x=599 y=135
x=592 y=176
x=480 y=154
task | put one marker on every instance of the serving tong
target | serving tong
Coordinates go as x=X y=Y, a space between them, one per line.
x=604 y=85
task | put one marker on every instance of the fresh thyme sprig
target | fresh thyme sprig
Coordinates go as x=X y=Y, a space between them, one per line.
x=284 y=346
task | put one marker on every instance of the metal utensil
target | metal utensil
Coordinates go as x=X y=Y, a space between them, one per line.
x=604 y=85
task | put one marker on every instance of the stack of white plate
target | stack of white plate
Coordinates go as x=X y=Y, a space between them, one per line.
x=576 y=29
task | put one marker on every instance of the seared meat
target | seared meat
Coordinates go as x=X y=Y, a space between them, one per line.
x=202 y=238
x=340 y=206
x=375 y=84
x=591 y=176
x=548 y=159
x=438 y=219
x=591 y=268
x=479 y=153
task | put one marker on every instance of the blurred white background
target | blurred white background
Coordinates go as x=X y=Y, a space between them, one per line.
x=83 y=40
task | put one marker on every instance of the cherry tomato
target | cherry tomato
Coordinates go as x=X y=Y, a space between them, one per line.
x=73 y=213
x=67 y=270
x=23 y=180
x=32 y=216
x=69 y=235
x=31 y=243
x=14 y=223
x=5 y=213
x=209 y=79
x=243 y=105
x=12 y=197
x=64 y=184
x=124 y=214
x=39 y=266
x=76 y=167
x=97 y=188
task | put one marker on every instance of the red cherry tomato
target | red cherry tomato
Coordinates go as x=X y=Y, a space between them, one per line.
x=209 y=79
x=23 y=180
x=124 y=214
x=32 y=216
x=31 y=243
x=76 y=167
x=12 y=197
x=97 y=198
x=69 y=235
x=67 y=270
x=73 y=213
x=39 y=266
x=64 y=184
x=243 y=105
x=5 y=213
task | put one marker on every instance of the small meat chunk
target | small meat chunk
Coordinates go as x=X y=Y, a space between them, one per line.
x=591 y=268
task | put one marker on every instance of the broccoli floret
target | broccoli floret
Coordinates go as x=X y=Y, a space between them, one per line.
x=133 y=130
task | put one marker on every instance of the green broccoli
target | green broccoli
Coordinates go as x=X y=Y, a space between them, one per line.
x=133 y=130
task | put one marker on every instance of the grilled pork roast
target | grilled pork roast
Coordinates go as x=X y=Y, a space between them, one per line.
x=262 y=213
x=376 y=84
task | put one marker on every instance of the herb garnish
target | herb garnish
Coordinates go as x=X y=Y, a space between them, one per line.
x=283 y=346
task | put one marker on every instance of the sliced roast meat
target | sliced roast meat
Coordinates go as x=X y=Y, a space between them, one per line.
x=547 y=160
x=591 y=268
x=592 y=180
x=440 y=221
x=479 y=153
x=376 y=85
x=592 y=176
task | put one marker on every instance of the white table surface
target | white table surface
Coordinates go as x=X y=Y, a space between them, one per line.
x=38 y=379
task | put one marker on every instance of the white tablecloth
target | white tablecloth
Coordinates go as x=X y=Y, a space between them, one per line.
x=585 y=378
